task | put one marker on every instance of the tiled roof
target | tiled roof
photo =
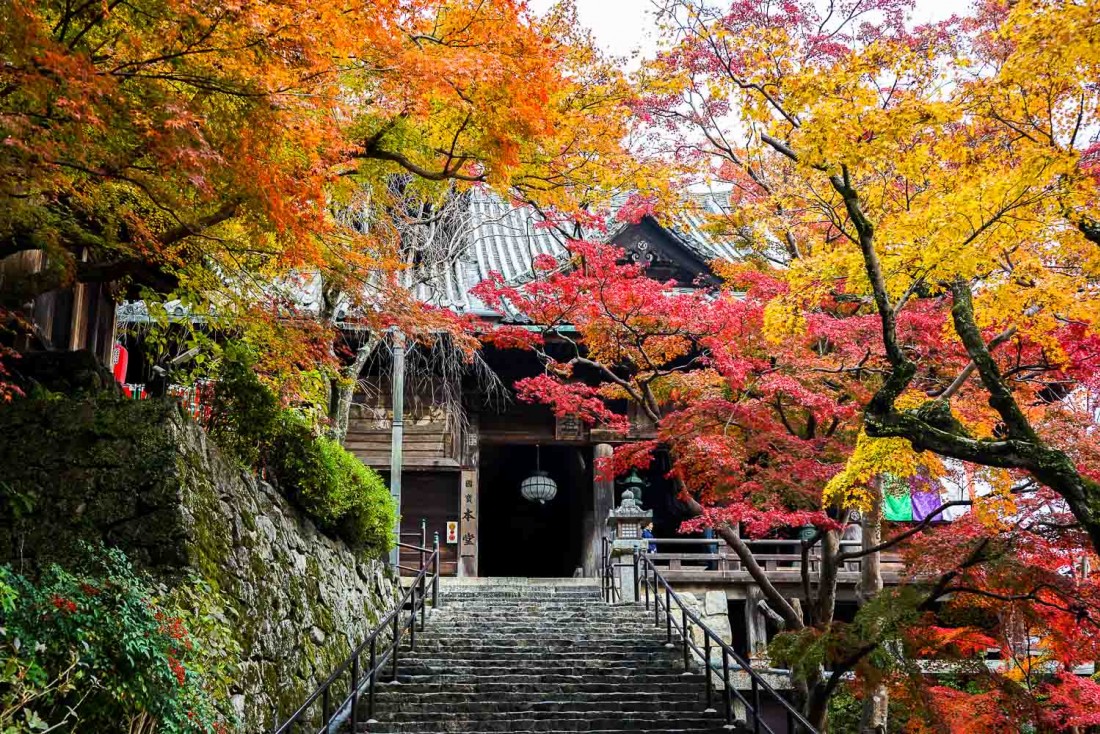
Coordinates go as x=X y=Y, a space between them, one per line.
x=506 y=239
x=500 y=237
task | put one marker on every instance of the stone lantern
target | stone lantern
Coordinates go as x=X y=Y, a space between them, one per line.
x=627 y=521
x=634 y=483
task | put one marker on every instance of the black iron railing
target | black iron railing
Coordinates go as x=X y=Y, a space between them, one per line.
x=647 y=576
x=339 y=697
x=607 y=574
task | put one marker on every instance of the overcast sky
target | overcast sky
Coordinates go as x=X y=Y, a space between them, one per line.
x=623 y=26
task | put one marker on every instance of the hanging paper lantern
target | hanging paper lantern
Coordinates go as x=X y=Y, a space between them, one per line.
x=538 y=487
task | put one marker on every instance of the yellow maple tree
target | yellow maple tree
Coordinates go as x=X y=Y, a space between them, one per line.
x=884 y=164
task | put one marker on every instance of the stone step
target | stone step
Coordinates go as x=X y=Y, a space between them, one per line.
x=549 y=682
x=513 y=606
x=539 y=622
x=560 y=654
x=503 y=685
x=576 y=607
x=628 y=721
x=547 y=622
x=579 y=666
x=563 y=634
x=591 y=642
x=564 y=631
x=483 y=710
x=396 y=698
x=667 y=728
x=515 y=652
x=647 y=668
x=467 y=622
x=550 y=590
x=585 y=593
x=550 y=649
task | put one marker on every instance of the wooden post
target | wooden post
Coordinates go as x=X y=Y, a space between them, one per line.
x=755 y=625
x=603 y=501
x=876 y=697
x=397 y=435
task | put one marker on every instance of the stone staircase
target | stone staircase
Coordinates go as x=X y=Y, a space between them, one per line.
x=540 y=656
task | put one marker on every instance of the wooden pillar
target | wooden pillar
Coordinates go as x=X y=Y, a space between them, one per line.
x=603 y=501
x=756 y=629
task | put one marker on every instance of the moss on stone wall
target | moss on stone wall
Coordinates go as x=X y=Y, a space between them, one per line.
x=143 y=477
x=90 y=469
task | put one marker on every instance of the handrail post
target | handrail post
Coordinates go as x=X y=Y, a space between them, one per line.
x=423 y=597
x=355 y=691
x=435 y=578
x=646 y=572
x=372 y=678
x=706 y=663
x=412 y=620
x=755 y=706
x=637 y=579
x=396 y=641
x=657 y=599
x=423 y=538
x=726 y=685
x=687 y=637
x=326 y=705
x=668 y=618
x=603 y=570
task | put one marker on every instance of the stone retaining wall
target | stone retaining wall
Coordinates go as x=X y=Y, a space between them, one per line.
x=143 y=477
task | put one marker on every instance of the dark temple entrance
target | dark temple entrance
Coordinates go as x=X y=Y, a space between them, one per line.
x=523 y=538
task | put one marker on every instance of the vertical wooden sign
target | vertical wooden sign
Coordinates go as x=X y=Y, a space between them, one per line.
x=467 y=533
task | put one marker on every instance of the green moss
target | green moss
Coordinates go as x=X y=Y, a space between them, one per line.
x=86 y=465
x=130 y=472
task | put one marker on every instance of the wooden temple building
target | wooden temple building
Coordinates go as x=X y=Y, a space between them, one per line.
x=466 y=451
x=464 y=459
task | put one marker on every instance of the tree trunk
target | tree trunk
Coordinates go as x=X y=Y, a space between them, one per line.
x=817 y=707
x=783 y=607
x=342 y=389
x=826 y=594
x=815 y=698
x=876 y=698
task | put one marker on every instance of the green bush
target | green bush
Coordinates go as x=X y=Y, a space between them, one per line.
x=244 y=411
x=345 y=497
x=371 y=515
x=94 y=650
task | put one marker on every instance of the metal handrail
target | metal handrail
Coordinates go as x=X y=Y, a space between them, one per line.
x=362 y=680
x=607 y=574
x=759 y=686
x=784 y=542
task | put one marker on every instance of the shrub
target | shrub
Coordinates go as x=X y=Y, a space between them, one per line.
x=371 y=515
x=93 y=650
x=244 y=411
x=345 y=497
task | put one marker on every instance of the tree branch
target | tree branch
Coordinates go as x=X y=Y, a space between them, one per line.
x=959 y=381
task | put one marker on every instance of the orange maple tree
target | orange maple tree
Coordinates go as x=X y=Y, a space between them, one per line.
x=196 y=150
